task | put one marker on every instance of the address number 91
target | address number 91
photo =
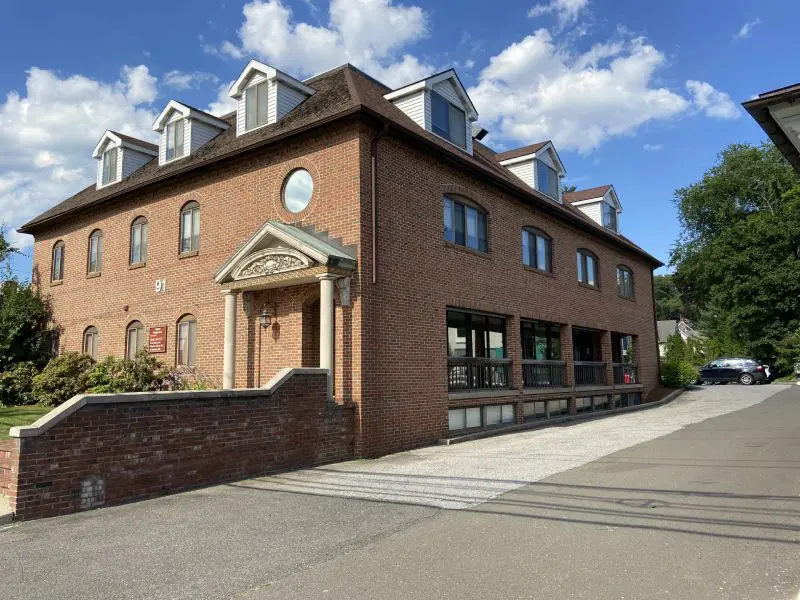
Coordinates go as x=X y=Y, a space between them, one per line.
x=161 y=285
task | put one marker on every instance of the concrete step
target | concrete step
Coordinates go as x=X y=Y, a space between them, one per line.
x=6 y=516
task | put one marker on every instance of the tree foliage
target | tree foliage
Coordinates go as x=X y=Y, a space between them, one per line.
x=24 y=323
x=738 y=257
x=670 y=303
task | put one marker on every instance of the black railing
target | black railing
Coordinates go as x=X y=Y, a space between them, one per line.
x=590 y=373
x=544 y=373
x=625 y=373
x=470 y=374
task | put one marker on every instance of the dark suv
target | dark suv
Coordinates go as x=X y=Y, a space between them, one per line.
x=746 y=371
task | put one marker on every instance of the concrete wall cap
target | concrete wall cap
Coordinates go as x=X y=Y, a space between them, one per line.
x=75 y=403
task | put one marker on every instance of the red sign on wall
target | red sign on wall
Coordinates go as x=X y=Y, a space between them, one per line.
x=157 y=340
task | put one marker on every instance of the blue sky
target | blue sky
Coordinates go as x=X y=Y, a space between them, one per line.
x=639 y=94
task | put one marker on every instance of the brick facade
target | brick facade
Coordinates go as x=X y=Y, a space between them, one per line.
x=113 y=452
x=390 y=343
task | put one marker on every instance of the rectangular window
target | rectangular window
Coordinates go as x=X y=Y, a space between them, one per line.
x=464 y=225
x=609 y=216
x=175 y=139
x=448 y=121
x=110 y=166
x=587 y=268
x=90 y=343
x=540 y=340
x=624 y=282
x=546 y=179
x=536 y=250
x=95 y=253
x=475 y=336
x=256 y=105
x=58 y=262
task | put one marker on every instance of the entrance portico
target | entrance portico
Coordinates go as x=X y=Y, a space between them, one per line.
x=281 y=256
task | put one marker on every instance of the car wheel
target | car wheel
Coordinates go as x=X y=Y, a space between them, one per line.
x=746 y=379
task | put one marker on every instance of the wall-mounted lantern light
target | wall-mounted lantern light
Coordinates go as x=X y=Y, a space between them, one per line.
x=267 y=316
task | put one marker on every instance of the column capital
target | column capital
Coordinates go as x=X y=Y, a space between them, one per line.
x=231 y=292
x=328 y=276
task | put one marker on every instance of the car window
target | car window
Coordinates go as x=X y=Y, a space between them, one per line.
x=716 y=364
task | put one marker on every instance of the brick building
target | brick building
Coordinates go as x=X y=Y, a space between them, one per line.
x=335 y=222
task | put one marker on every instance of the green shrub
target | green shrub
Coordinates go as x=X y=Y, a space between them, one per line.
x=116 y=375
x=678 y=374
x=64 y=377
x=16 y=384
x=182 y=378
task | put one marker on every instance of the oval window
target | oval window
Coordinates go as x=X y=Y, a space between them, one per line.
x=297 y=190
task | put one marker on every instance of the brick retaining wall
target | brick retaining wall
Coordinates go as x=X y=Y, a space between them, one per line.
x=119 y=448
x=8 y=468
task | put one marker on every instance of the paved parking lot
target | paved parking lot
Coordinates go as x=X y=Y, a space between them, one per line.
x=298 y=534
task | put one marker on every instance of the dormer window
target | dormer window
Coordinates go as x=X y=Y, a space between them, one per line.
x=448 y=121
x=546 y=179
x=110 y=166
x=175 y=137
x=256 y=105
x=609 y=216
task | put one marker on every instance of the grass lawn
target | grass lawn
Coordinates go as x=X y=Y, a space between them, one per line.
x=11 y=416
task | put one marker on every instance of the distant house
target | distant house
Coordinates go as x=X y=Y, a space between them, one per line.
x=681 y=327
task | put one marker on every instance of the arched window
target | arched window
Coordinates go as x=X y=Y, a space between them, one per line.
x=190 y=227
x=57 y=270
x=135 y=339
x=91 y=341
x=537 y=249
x=464 y=224
x=139 y=236
x=187 y=341
x=624 y=282
x=587 y=267
x=95 y=258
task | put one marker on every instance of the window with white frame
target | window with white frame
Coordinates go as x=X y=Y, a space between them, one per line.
x=134 y=339
x=91 y=341
x=190 y=228
x=94 y=262
x=139 y=241
x=57 y=269
x=537 y=250
x=175 y=137
x=256 y=106
x=187 y=341
x=546 y=179
x=464 y=225
x=110 y=165
x=448 y=121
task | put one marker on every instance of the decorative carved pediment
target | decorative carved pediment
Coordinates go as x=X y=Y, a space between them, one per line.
x=270 y=262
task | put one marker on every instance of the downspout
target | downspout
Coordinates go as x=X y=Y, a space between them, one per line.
x=374 y=195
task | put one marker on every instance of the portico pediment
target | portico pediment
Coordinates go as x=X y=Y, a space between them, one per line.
x=285 y=254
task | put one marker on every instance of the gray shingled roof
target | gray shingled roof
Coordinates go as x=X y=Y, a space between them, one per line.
x=666 y=329
x=587 y=194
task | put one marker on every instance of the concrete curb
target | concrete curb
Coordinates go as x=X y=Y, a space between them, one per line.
x=502 y=430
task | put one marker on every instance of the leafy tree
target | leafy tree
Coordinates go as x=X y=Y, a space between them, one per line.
x=566 y=189
x=24 y=322
x=669 y=302
x=738 y=257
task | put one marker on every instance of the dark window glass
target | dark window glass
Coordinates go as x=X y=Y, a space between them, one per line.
x=624 y=282
x=541 y=340
x=546 y=179
x=57 y=272
x=95 y=258
x=609 y=216
x=190 y=227
x=587 y=268
x=448 y=121
x=139 y=241
x=464 y=225
x=477 y=336
x=536 y=250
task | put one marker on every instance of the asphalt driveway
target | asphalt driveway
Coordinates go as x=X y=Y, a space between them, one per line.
x=300 y=534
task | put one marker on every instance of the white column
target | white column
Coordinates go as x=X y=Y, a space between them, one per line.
x=326 y=287
x=229 y=357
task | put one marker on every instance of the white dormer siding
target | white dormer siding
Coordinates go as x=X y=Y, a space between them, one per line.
x=199 y=128
x=129 y=155
x=415 y=100
x=527 y=167
x=595 y=201
x=283 y=94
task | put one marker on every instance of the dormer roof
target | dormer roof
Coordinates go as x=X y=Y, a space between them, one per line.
x=189 y=112
x=254 y=67
x=595 y=194
x=430 y=82
x=528 y=152
x=120 y=140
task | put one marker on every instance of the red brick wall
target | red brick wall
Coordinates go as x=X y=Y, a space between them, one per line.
x=420 y=275
x=111 y=453
x=9 y=462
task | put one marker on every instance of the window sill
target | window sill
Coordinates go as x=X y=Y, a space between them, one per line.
x=472 y=251
x=137 y=265
x=628 y=298
x=539 y=271
x=596 y=288
x=93 y=275
x=58 y=282
x=190 y=254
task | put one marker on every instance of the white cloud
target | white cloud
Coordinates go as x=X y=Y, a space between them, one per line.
x=181 y=80
x=49 y=131
x=536 y=89
x=368 y=33
x=224 y=104
x=653 y=147
x=566 y=11
x=746 y=30
x=712 y=102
